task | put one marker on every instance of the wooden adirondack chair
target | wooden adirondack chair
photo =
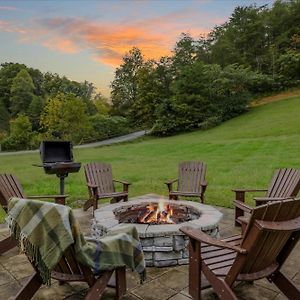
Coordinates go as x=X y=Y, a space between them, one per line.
x=285 y=184
x=100 y=183
x=190 y=182
x=271 y=234
x=69 y=269
x=11 y=187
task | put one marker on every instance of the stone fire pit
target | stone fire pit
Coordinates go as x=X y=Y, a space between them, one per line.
x=163 y=245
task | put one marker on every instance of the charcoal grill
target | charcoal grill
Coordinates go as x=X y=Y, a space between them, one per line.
x=57 y=158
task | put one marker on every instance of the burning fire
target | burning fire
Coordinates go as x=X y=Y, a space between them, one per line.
x=157 y=214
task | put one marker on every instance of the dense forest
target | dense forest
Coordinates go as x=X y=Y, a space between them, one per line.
x=36 y=106
x=203 y=83
x=211 y=79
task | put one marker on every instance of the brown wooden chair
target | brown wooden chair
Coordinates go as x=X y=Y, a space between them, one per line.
x=69 y=269
x=100 y=183
x=11 y=187
x=190 y=182
x=271 y=234
x=285 y=184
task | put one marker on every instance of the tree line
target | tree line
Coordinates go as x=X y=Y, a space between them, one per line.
x=204 y=82
x=37 y=106
x=211 y=79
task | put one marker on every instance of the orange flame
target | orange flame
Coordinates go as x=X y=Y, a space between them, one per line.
x=157 y=214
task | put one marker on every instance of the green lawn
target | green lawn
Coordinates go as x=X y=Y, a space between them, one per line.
x=242 y=152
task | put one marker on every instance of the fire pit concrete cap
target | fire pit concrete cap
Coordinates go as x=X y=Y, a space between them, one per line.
x=105 y=218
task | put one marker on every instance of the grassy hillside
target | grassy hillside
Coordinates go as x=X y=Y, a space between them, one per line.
x=242 y=152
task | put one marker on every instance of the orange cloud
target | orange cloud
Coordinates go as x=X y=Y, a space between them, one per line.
x=62 y=45
x=109 y=41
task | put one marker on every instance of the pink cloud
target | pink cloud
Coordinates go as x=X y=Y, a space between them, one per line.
x=8 y=8
x=8 y=26
x=108 y=41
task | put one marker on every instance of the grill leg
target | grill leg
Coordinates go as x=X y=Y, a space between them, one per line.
x=62 y=183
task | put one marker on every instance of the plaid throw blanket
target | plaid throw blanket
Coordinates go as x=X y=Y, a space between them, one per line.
x=45 y=230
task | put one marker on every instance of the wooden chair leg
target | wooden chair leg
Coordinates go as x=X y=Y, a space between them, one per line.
x=95 y=204
x=7 y=244
x=120 y=282
x=287 y=287
x=30 y=288
x=98 y=288
x=240 y=196
x=226 y=292
x=195 y=270
x=87 y=204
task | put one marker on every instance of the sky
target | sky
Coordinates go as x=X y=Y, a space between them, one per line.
x=86 y=39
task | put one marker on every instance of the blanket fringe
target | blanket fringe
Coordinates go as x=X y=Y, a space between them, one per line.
x=31 y=251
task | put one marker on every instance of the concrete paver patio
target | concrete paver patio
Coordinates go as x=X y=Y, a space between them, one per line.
x=161 y=283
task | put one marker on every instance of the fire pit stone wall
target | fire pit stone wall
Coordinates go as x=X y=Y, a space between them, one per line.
x=163 y=245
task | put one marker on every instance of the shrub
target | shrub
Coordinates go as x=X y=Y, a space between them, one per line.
x=21 y=135
x=104 y=127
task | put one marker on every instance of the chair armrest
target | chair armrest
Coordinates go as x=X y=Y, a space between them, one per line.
x=203 y=183
x=240 y=193
x=47 y=196
x=122 y=181
x=171 y=181
x=59 y=199
x=169 y=184
x=266 y=199
x=200 y=236
x=125 y=184
x=290 y=225
x=91 y=185
x=263 y=200
x=249 y=190
x=242 y=206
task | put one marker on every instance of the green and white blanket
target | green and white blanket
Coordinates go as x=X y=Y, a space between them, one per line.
x=45 y=230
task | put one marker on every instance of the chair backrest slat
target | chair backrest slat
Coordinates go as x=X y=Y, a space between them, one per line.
x=285 y=183
x=190 y=174
x=9 y=187
x=264 y=246
x=100 y=174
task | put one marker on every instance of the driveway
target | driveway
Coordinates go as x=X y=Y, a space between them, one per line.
x=119 y=139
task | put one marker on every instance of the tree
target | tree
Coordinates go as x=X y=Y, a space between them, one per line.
x=8 y=72
x=34 y=111
x=38 y=81
x=4 y=117
x=184 y=51
x=101 y=104
x=64 y=117
x=21 y=134
x=153 y=87
x=124 y=86
x=141 y=113
x=21 y=93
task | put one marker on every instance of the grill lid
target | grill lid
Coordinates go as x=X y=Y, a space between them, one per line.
x=56 y=151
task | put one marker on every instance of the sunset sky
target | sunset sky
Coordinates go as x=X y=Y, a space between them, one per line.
x=85 y=40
